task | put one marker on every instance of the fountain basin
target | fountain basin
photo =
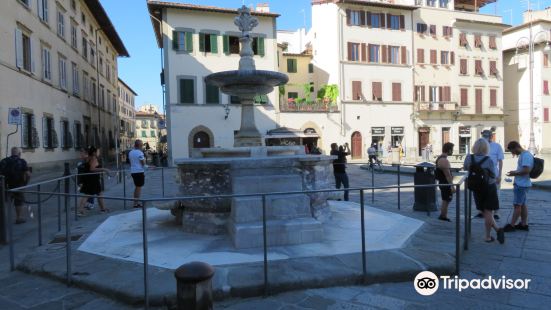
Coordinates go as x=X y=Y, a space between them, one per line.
x=247 y=83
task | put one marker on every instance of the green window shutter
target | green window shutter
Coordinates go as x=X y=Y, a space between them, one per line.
x=175 y=40
x=235 y=100
x=261 y=50
x=201 y=42
x=310 y=68
x=226 y=40
x=187 y=91
x=261 y=99
x=214 y=43
x=213 y=94
x=189 y=42
x=289 y=65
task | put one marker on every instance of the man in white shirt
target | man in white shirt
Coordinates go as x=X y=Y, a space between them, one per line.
x=496 y=155
x=137 y=170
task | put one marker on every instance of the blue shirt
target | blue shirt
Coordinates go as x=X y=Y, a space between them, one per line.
x=496 y=154
x=526 y=159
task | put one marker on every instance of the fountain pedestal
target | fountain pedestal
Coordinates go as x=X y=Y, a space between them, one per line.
x=248 y=134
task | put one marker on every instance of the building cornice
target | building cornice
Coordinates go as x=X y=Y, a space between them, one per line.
x=106 y=26
x=368 y=3
x=128 y=87
x=526 y=25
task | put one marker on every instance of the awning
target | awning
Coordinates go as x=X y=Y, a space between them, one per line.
x=285 y=132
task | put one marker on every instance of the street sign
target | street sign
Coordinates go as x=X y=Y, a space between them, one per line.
x=14 y=116
x=162 y=124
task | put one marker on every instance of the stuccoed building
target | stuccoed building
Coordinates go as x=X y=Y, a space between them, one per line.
x=148 y=127
x=127 y=116
x=197 y=41
x=58 y=65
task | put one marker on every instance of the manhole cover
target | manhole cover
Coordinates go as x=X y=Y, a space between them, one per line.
x=62 y=239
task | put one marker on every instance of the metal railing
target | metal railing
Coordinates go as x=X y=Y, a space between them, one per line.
x=66 y=195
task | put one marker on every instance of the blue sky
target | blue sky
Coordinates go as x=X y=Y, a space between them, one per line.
x=141 y=70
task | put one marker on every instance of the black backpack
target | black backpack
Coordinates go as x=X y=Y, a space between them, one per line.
x=537 y=169
x=9 y=168
x=479 y=178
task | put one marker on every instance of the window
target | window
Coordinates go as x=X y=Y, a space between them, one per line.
x=73 y=5
x=66 y=138
x=478 y=41
x=78 y=136
x=431 y=2
x=212 y=94
x=23 y=51
x=74 y=37
x=48 y=132
x=92 y=56
x=545 y=59
x=144 y=134
x=355 y=18
x=85 y=87
x=445 y=57
x=443 y=3
x=422 y=28
x=292 y=96
x=29 y=135
x=43 y=10
x=493 y=68
x=76 y=81
x=108 y=72
x=376 y=20
x=374 y=53
x=478 y=101
x=463 y=40
x=187 y=91
x=61 y=25
x=94 y=92
x=25 y=2
x=464 y=97
x=182 y=41
x=419 y=95
x=433 y=93
x=447 y=31
x=83 y=18
x=546 y=87
x=493 y=97
x=377 y=91
x=153 y=134
x=208 y=43
x=394 y=54
x=463 y=67
x=546 y=115
x=102 y=96
x=310 y=68
x=235 y=100
x=420 y=56
x=396 y=91
x=433 y=57
x=258 y=46
x=356 y=90
x=394 y=22
x=444 y=93
x=478 y=70
x=100 y=63
x=46 y=64
x=231 y=44
x=261 y=99
x=84 y=48
x=62 y=64
x=492 y=42
x=353 y=51
x=292 y=65
x=432 y=30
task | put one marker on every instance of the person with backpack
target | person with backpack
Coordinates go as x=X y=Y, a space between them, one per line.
x=481 y=181
x=17 y=174
x=444 y=176
x=521 y=188
x=137 y=171
x=91 y=185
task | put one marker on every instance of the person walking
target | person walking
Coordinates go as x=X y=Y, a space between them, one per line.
x=91 y=183
x=444 y=176
x=339 y=166
x=521 y=188
x=137 y=170
x=372 y=155
x=497 y=156
x=16 y=174
x=482 y=181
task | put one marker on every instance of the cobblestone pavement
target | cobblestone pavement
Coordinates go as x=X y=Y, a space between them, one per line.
x=524 y=255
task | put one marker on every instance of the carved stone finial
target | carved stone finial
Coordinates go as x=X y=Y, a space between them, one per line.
x=245 y=21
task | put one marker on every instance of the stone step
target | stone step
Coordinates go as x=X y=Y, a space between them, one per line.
x=279 y=232
x=266 y=183
x=280 y=207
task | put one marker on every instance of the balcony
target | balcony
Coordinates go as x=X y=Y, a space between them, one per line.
x=437 y=107
x=315 y=106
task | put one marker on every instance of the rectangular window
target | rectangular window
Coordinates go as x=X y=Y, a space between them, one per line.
x=447 y=31
x=463 y=40
x=463 y=68
x=74 y=37
x=92 y=56
x=144 y=134
x=374 y=53
x=477 y=41
x=208 y=43
x=376 y=20
x=493 y=68
x=76 y=80
x=310 y=68
x=546 y=87
x=258 y=46
x=102 y=96
x=46 y=64
x=377 y=91
x=355 y=18
x=62 y=64
x=422 y=28
x=478 y=70
x=213 y=94
x=394 y=54
x=85 y=48
x=419 y=95
x=433 y=57
x=545 y=59
x=493 y=97
x=261 y=99
x=492 y=42
x=546 y=115
x=291 y=65
x=420 y=56
x=445 y=57
x=478 y=101
x=356 y=90
x=187 y=91
x=443 y=3
x=29 y=135
x=43 y=10
x=153 y=134
x=231 y=44
x=464 y=97
x=431 y=3
x=396 y=92
x=78 y=136
x=353 y=51
x=182 y=41
x=444 y=93
x=93 y=90
x=49 y=134
x=292 y=96
x=432 y=30
x=108 y=72
x=85 y=87
x=433 y=94
x=61 y=25
x=23 y=51
x=66 y=139
x=394 y=22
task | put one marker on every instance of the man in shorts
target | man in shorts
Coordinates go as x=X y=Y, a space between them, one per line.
x=522 y=186
x=17 y=174
x=137 y=170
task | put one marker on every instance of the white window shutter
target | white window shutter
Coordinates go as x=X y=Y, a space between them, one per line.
x=24 y=130
x=31 y=54
x=18 y=48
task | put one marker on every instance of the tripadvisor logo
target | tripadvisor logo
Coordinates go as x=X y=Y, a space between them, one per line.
x=427 y=283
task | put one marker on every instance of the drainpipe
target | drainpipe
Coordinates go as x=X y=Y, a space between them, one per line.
x=341 y=68
x=414 y=118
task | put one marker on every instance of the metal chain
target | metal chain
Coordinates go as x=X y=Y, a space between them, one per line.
x=42 y=201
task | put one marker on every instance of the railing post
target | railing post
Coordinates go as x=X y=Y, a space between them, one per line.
x=145 y=256
x=3 y=219
x=58 y=205
x=163 y=180
x=466 y=215
x=399 y=200
x=470 y=211
x=364 y=263
x=124 y=188
x=11 y=240
x=265 y=244
x=373 y=184
x=457 y=227
x=68 y=228
x=39 y=213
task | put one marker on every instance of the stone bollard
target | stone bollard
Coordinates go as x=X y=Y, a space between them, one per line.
x=194 y=286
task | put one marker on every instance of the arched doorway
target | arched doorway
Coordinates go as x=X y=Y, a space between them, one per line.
x=356 y=145
x=201 y=140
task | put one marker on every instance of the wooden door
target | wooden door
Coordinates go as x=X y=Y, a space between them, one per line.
x=445 y=135
x=201 y=140
x=424 y=135
x=356 y=145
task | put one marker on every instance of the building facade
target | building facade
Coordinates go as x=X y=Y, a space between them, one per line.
x=517 y=81
x=149 y=127
x=58 y=66
x=127 y=116
x=197 y=41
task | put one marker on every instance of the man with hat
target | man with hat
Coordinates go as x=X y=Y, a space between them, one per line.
x=496 y=155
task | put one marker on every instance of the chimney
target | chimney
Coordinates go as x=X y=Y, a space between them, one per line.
x=263 y=7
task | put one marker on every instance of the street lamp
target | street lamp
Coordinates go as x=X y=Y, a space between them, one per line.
x=531 y=42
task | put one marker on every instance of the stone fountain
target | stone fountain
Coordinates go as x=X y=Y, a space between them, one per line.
x=250 y=168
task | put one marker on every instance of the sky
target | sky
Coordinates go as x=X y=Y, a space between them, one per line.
x=141 y=71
